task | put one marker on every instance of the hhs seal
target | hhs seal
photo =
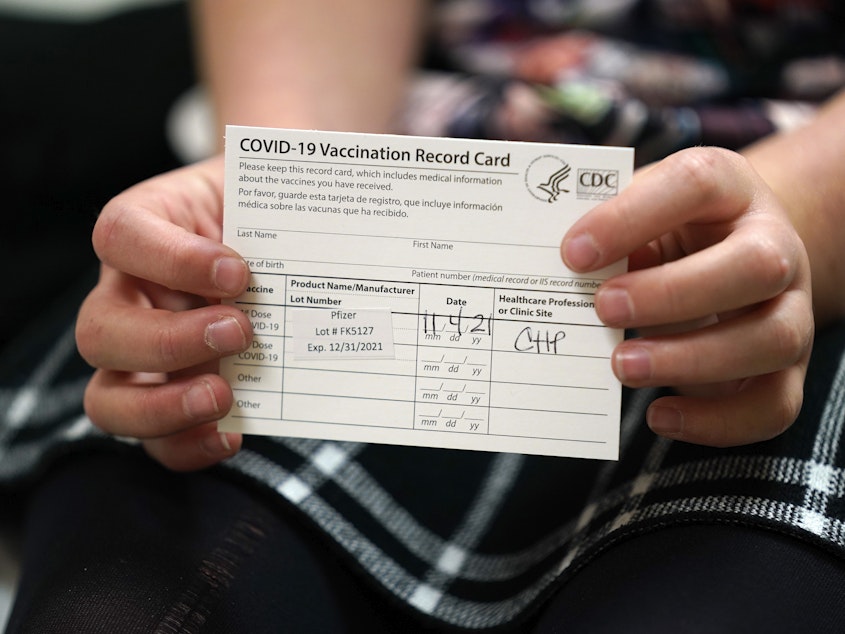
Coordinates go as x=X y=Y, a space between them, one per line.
x=546 y=178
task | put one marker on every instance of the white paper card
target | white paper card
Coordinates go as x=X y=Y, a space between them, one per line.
x=409 y=290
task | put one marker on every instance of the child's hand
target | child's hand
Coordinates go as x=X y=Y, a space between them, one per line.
x=153 y=326
x=718 y=290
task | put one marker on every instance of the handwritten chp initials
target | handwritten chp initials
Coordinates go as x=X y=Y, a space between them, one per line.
x=546 y=178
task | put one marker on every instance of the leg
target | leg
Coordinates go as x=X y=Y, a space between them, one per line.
x=114 y=543
x=703 y=578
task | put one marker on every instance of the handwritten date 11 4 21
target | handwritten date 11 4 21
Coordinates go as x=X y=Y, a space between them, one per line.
x=458 y=323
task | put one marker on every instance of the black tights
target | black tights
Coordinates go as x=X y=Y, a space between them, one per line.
x=113 y=543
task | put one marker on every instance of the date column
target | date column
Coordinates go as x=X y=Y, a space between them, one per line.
x=454 y=343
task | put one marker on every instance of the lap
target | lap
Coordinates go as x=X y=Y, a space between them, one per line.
x=115 y=543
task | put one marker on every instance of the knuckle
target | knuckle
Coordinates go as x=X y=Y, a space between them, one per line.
x=171 y=257
x=724 y=434
x=85 y=334
x=106 y=407
x=90 y=331
x=713 y=429
x=795 y=390
x=773 y=266
x=783 y=404
x=626 y=215
x=149 y=416
x=166 y=344
x=793 y=337
x=786 y=407
x=673 y=296
x=90 y=402
x=109 y=227
x=700 y=168
x=793 y=401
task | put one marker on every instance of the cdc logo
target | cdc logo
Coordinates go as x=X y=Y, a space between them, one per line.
x=597 y=184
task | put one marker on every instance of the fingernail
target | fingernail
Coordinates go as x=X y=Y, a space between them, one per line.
x=225 y=336
x=665 y=421
x=632 y=365
x=580 y=253
x=614 y=306
x=217 y=444
x=199 y=402
x=230 y=275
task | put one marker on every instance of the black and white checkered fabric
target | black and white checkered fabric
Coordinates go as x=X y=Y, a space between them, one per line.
x=469 y=538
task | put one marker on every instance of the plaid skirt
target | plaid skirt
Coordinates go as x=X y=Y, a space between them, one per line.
x=473 y=539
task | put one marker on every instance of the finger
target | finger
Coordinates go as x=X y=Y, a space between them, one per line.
x=755 y=263
x=776 y=335
x=764 y=408
x=162 y=341
x=174 y=301
x=167 y=230
x=124 y=405
x=193 y=449
x=700 y=184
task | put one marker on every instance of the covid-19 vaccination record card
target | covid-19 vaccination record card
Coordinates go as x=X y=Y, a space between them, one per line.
x=410 y=290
